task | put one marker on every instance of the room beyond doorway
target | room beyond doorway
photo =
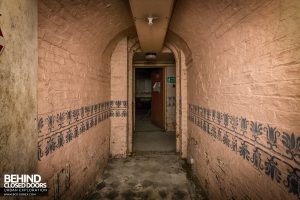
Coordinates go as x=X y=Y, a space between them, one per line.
x=151 y=132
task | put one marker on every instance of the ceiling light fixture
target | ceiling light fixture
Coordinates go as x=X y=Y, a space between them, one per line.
x=150 y=56
x=150 y=20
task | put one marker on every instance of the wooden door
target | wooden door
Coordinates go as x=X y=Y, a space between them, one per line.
x=157 y=103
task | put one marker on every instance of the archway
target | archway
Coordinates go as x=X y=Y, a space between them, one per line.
x=183 y=60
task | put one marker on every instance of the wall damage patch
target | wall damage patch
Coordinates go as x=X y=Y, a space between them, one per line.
x=2 y=42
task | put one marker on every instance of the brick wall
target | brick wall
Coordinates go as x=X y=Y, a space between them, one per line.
x=74 y=91
x=118 y=136
x=170 y=103
x=243 y=95
x=18 y=66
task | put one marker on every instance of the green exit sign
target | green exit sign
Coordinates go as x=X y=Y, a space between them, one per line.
x=171 y=79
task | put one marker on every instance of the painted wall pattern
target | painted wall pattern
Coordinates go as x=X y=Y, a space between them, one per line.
x=119 y=108
x=171 y=101
x=171 y=113
x=268 y=149
x=58 y=129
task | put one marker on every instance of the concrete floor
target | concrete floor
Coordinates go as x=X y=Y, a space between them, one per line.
x=145 y=177
x=149 y=137
x=153 y=172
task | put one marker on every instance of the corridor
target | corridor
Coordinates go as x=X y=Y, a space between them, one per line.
x=150 y=99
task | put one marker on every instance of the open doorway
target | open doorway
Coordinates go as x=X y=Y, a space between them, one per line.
x=149 y=93
x=176 y=104
x=152 y=110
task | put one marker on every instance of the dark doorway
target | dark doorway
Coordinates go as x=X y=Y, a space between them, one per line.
x=144 y=105
x=150 y=132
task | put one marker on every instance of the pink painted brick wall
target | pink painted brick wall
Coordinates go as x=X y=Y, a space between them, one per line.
x=72 y=74
x=245 y=63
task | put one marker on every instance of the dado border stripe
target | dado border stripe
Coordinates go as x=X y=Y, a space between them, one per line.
x=256 y=143
x=57 y=129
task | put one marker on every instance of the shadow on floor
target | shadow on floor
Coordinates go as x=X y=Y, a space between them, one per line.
x=149 y=137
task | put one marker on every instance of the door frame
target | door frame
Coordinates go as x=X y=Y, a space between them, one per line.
x=181 y=97
x=164 y=92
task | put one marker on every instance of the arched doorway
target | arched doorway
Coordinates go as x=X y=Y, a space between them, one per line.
x=154 y=100
x=122 y=74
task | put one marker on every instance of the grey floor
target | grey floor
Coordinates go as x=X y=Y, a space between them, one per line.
x=150 y=176
x=149 y=137
x=153 y=172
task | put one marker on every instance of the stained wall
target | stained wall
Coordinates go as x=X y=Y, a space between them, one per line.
x=74 y=104
x=170 y=104
x=243 y=95
x=118 y=95
x=18 y=77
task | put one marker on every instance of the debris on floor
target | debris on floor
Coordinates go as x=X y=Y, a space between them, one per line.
x=149 y=176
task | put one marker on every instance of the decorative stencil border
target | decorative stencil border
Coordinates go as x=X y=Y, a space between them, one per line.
x=171 y=101
x=59 y=129
x=255 y=142
x=119 y=108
